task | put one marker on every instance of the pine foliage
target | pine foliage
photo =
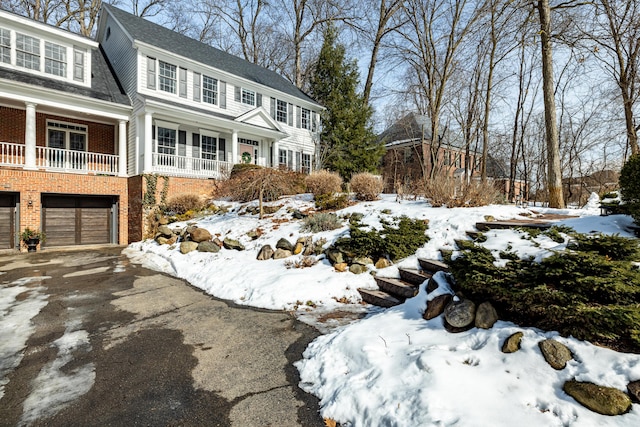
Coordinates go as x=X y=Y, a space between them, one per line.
x=630 y=186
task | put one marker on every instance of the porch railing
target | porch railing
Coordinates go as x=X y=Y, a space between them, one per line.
x=190 y=166
x=76 y=161
x=11 y=154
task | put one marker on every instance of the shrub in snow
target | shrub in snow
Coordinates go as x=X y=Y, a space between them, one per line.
x=366 y=186
x=323 y=182
x=452 y=192
x=250 y=183
x=630 y=186
x=332 y=201
x=182 y=203
x=321 y=222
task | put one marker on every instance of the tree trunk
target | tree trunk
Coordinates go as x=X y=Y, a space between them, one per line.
x=554 y=170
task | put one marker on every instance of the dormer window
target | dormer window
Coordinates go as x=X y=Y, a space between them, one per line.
x=27 y=52
x=209 y=90
x=55 y=59
x=5 y=46
x=167 y=77
x=248 y=97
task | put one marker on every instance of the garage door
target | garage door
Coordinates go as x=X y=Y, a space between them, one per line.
x=78 y=220
x=7 y=220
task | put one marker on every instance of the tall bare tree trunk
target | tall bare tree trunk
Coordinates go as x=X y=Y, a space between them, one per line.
x=554 y=170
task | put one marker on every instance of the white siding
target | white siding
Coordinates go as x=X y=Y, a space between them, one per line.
x=122 y=56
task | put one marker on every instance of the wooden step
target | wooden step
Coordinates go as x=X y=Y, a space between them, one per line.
x=396 y=287
x=379 y=298
x=503 y=225
x=414 y=276
x=474 y=234
x=432 y=265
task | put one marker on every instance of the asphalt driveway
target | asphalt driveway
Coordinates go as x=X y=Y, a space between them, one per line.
x=89 y=339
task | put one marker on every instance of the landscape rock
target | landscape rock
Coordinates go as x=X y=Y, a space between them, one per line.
x=186 y=247
x=163 y=220
x=284 y=244
x=298 y=248
x=486 y=316
x=200 y=235
x=265 y=253
x=253 y=234
x=232 y=244
x=555 y=353
x=363 y=260
x=281 y=253
x=634 y=390
x=600 y=399
x=165 y=231
x=190 y=229
x=358 y=269
x=460 y=314
x=341 y=266
x=218 y=242
x=161 y=240
x=382 y=263
x=436 y=306
x=171 y=240
x=432 y=285
x=298 y=215
x=512 y=343
x=208 y=246
x=489 y=218
x=335 y=256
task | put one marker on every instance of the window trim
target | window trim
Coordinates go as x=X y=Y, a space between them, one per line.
x=5 y=49
x=305 y=122
x=51 y=50
x=247 y=95
x=214 y=92
x=167 y=81
x=26 y=54
x=282 y=115
x=68 y=128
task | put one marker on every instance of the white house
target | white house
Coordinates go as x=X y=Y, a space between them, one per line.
x=198 y=110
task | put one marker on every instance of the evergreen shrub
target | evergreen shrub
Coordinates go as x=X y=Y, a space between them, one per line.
x=332 y=201
x=630 y=186
x=321 y=222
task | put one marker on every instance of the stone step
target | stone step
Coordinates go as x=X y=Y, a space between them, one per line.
x=474 y=234
x=413 y=276
x=432 y=265
x=503 y=225
x=379 y=298
x=396 y=287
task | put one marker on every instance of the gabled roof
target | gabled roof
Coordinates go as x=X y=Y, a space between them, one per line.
x=155 y=35
x=406 y=129
x=104 y=84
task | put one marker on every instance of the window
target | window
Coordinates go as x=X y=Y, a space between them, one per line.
x=5 y=46
x=167 y=74
x=55 y=59
x=209 y=90
x=305 y=118
x=282 y=158
x=27 y=52
x=209 y=147
x=281 y=111
x=66 y=136
x=248 y=97
x=166 y=141
x=306 y=163
x=78 y=65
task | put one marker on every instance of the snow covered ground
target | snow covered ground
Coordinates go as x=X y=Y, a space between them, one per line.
x=393 y=368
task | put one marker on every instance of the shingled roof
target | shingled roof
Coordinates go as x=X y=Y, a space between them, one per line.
x=156 y=35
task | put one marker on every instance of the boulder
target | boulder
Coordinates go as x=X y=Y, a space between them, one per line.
x=281 y=253
x=486 y=316
x=489 y=218
x=634 y=390
x=341 y=266
x=232 y=244
x=163 y=220
x=200 y=235
x=171 y=240
x=253 y=234
x=363 y=260
x=555 y=353
x=436 y=306
x=382 y=263
x=432 y=285
x=165 y=231
x=296 y=214
x=208 y=246
x=600 y=399
x=190 y=229
x=186 y=247
x=357 y=269
x=298 y=248
x=265 y=252
x=460 y=314
x=512 y=343
x=161 y=240
x=218 y=242
x=284 y=244
x=335 y=256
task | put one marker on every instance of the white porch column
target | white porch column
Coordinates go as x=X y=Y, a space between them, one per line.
x=122 y=148
x=276 y=154
x=147 y=164
x=30 y=137
x=234 y=147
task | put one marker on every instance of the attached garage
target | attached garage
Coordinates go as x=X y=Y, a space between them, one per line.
x=8 y=220
x=79 y=220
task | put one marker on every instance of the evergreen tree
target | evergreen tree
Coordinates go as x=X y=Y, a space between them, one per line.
x=347 y=142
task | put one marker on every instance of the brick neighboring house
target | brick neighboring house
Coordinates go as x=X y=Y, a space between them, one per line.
x=63 y=121
x=408 y=159
x=84 y=123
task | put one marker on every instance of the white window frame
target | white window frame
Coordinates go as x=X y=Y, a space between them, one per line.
x=282 y=111
x=282 y=158
x=68 y=129
x=248 y=96
x=305 y=118
x=27 y=54
x=166 y=147
x=167 y=77
x=55 y=59
x=209 y=90
x=5 y=46
x=306 y=163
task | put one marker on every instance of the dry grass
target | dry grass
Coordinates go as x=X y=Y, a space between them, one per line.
x=182 y=203
x=366 y=186
x=452 y=192
x=323 y=182
x=246 y=184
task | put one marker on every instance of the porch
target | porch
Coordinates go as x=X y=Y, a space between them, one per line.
x=174 y=165
x=58 y=160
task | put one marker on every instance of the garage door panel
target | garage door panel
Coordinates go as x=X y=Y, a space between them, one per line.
x=60 y=226
x=95 y=226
